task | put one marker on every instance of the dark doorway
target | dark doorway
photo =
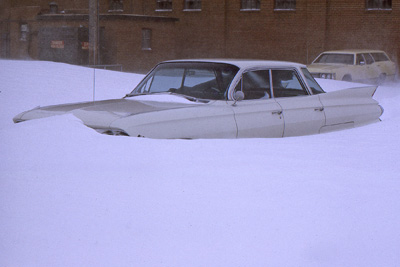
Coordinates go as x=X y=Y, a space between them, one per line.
x=4 y=45
x=66 y=44
x=59 y=44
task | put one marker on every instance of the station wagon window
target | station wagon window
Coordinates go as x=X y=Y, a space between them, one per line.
x=285 y=5
x=192 y=5
x=335 y=58
x=285 y=83
x=368 y=59
x=360 y=59
x=379 y=57
x=256 y=84
x=250 y=5
x=379 y=4
x=163 y=5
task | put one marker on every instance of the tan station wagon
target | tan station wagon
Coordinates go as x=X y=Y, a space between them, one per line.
x=368 y=66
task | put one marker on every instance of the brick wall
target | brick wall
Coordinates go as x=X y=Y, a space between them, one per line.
x=124 y=42
x=351 y=25
x=220 y=29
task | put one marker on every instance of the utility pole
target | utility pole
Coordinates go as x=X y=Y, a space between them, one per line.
x=93 y=31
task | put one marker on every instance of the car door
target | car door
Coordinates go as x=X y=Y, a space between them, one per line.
x=384 y=64
x=258 y=115
x=214 y=119
x=303 y=113
x=373 y=70
x=361 y=72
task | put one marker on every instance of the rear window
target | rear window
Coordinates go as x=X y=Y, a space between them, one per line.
x=335 y=58
x=380 y=57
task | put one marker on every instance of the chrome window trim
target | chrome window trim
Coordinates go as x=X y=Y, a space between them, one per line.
x=239 y=78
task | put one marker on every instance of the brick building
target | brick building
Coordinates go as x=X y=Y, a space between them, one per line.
x=139 y=33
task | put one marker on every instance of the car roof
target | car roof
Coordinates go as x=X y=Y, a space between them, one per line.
x=353 y=51
x=244 y=63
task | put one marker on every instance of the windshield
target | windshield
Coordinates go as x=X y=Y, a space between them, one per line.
x=195 y=79
x=334 y=58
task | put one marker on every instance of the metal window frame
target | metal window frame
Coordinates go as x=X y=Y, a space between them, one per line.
x=380 y=6
x=278 y=5
x=163 y=5
x=146 y=38
x=257 y=4
x=197 y=4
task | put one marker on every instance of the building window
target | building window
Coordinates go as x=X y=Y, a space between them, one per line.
x=146 y=39
x=192 y=5
x=285 y=5
x=379 y=4
x=24 y=32
x=164 y=5
x=250 y=5
x=116 y=6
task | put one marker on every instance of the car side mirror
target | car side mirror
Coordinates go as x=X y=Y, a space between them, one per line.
x=238 y=96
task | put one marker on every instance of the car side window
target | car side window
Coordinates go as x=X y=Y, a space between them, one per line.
x=368 y=59
x=360 y=59
x=379 y=57
x=285 y=83
x=256 y=84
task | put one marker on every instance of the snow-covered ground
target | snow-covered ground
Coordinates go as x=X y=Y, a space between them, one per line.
x=72 y=197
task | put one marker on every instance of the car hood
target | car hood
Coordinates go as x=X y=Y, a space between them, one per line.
x=102 y=113
x=319 y=67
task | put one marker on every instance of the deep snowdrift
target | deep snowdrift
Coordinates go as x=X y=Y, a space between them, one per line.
x=72 y=197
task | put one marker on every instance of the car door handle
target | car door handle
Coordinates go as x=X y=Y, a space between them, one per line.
x=278 y=112
x=319 y=109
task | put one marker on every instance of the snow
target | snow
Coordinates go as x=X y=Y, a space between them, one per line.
x=165 y=98
x=72 y=197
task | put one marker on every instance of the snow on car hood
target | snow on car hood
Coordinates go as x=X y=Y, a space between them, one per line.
x=164 y=98
x=110 y=109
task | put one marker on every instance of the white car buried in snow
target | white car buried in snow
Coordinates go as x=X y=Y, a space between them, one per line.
x=224 y=99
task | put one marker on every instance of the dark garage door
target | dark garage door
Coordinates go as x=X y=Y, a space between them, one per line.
x=64 y=44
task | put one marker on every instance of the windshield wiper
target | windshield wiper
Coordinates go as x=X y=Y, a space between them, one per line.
x=135 y=94
x=190 y=98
